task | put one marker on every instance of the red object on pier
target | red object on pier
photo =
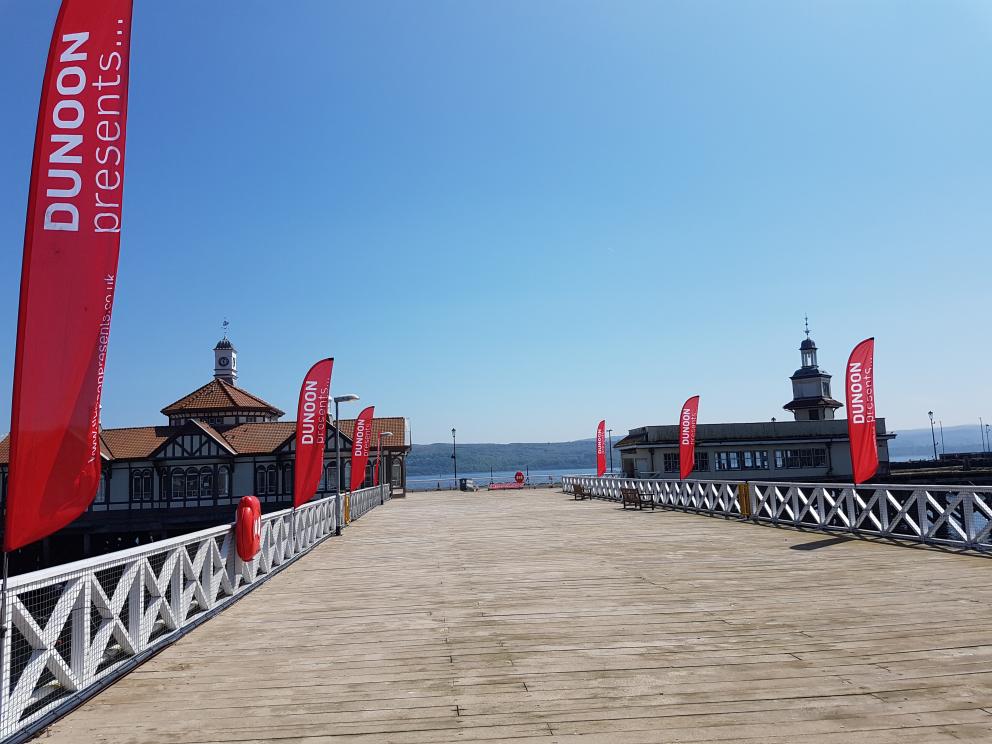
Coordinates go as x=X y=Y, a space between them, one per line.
x=601 y=448
x=687 y=436
x=248 y=528
x=860 y=389
x=519 y=477
x=311 y=430
x=69 y=271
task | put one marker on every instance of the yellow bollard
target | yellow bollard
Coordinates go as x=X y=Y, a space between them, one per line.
x=347 y=508
x=744 y=499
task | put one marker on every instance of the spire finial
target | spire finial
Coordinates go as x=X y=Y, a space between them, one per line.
x=225 y=324
x=805 y=317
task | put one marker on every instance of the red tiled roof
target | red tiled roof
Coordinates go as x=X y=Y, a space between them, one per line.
x=395 y=424
x=218 y=395
x=259 y=438
x=137 y=442
x=5 y=449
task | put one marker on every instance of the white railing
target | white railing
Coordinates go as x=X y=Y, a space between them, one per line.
x=957 y=516
x=366 y=499
x=73 y=629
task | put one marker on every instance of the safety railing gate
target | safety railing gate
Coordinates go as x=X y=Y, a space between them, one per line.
x=954 y=516
x=75 y=628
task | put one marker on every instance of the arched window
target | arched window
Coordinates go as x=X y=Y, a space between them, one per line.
x=206 y=482
x=272 y=480
x=223 y=482
x=287 y=478
x=260 y=480
x=192 y=484
x=141 y=485
x=178 y=490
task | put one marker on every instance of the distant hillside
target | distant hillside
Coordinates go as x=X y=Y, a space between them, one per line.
x=917 y=444
x=435 y=459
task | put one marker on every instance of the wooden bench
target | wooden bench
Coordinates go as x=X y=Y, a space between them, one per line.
x=633 y=497
x=580 y=493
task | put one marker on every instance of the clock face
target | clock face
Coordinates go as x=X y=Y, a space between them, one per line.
x=224 y=361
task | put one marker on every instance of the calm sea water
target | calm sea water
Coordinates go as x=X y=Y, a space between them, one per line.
x=537 y=478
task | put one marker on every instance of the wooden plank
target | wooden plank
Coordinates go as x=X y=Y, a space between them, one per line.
x=525 y=615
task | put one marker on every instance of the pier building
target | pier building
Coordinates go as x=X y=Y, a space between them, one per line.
x=814 y=446
x=221 y=442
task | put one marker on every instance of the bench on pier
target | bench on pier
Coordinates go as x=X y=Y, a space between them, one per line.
x=633 y=497
x=579 y=492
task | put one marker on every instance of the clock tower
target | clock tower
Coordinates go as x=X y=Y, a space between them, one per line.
x=226 y=361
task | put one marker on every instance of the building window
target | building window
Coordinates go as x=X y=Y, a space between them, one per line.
x=206 y=482
x=266 y=480
x=742 y=460
x=192 y=484
x=178 y=490
x=223 y=482
x=141 y=485
x=814 y=415
x=287 y=478
x=800 y=458
x=671 y=462
x=702 y=461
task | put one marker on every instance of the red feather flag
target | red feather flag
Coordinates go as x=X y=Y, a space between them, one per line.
x=69 y=272
x=601 y=448
x=860 y=388
x=311 y=430
x=687 y=437
x=361 y=439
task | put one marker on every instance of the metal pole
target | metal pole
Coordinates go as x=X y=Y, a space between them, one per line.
x=339 y=497
x=933 y=435
x=454 y=456
x=609 y=433
x=943 y=449
x=981 y=430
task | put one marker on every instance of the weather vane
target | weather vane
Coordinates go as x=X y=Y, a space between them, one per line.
x=224 y=325
x=806 y=318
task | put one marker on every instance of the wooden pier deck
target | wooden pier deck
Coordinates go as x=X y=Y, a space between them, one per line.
x=528 y=617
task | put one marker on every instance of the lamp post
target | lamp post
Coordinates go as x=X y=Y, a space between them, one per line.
x=981 y=430
x=378 y=453
x=609 y=434
x=933 y=435
x=338 y=399
x=987 y=435
x=943 y=449
x=454 y=455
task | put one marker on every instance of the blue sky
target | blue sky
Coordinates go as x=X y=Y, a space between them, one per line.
x=517 y=218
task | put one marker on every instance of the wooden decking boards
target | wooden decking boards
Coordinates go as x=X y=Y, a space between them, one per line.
x=531 y=617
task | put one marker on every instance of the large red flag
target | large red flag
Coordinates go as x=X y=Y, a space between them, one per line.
x=860 y=387
x=687 y=436
x=361 y=437
x=311 y=430
x=69 y=270
x=601 y=448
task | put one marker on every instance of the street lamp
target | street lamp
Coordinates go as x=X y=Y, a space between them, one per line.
x=338 y=399
x=454 y=455
x=378 y=453
x=609 y=434
x=933 y=435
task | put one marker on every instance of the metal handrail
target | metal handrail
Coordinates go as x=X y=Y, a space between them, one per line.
x=75 y=628
x=948 y=515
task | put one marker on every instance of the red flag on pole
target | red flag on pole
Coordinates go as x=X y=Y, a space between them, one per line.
x=69 y=271
x=360 y=440
x=311 y=430
x=860 y=388
x=601 y=448
x=687 y=437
